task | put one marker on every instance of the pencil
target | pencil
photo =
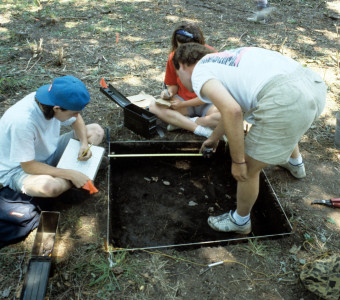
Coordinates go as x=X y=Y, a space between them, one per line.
x=85 y=151
x=166 y=89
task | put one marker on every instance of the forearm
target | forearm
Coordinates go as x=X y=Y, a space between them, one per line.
x=193 y=102
x=76 y=178
x=79 y=128
x=218 y=131
x=39 y=168
x=233 y=126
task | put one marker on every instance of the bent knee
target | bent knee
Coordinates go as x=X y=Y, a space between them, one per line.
x=95 y=133
x=52 y=188
x=153 y=107
x=43 y=186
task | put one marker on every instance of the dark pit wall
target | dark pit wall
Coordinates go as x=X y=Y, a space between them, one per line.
x=157 y=201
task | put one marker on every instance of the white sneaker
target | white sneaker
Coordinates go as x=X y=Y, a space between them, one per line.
x=226 y=223
x=298 y=171
x=171 y=127
x=203 y=131
x=193 y=119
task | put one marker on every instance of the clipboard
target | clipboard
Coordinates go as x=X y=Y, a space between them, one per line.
x=69 y=159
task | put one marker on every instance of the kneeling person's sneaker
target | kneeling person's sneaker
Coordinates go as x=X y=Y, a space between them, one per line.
x=226 y=223
x=298 y=171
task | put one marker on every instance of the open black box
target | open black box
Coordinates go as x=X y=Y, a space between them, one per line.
x=137 y=119
x=164 y=201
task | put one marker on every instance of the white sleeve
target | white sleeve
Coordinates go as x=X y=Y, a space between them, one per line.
x=68 y=122
x=199 y=77
x=22 y=141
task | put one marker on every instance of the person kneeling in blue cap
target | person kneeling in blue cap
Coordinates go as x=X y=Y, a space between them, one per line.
x=31 y=144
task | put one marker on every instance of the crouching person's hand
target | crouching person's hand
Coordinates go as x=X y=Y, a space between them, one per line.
x=77 y=178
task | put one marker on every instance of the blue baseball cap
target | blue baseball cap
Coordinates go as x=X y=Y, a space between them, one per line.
x=68 y=92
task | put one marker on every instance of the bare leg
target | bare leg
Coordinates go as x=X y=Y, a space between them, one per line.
x=95 y=134
x=247 y=191
x=211 y=119
x=45 y=186
x=174 y=117
x=296 y=152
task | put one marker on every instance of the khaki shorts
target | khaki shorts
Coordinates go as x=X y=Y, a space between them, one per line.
x=287 y=106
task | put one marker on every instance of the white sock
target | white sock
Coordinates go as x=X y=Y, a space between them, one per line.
x=240 y=220
x=296 y=161
x=193 y=119
x=203 y=131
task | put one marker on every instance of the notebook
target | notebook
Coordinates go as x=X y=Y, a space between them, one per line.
x=69 y=159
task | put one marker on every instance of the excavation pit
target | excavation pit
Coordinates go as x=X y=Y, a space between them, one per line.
x=159 y=200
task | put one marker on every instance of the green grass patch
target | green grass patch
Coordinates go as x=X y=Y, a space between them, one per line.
x=105 y=275
x=256 y=247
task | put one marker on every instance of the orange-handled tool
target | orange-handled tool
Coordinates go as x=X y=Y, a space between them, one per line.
x=90 y=187
x=334 y=202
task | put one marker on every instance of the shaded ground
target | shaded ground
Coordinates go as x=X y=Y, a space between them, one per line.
x=127 y=43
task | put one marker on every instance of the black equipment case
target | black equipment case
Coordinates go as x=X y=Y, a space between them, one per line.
x=137 y=119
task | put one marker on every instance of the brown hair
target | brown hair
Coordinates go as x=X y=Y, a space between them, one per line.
x=192 y=29
x=189 y=54
x=47 y=110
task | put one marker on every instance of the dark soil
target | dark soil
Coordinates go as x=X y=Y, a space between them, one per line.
x=162 y=201
x=127 y=43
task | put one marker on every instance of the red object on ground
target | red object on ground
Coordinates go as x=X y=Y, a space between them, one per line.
x=90 y=187
x=103 y=83
x=334 y=202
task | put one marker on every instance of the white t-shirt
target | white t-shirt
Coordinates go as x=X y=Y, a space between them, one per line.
x=242 y=71
x=25 y=135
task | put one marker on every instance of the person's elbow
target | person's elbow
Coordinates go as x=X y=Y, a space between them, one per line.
x=232 y=113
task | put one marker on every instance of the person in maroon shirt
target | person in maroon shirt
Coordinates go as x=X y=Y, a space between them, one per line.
x=187 y=111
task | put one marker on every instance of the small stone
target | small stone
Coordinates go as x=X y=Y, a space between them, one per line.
x=118 y=270
x=155 y=179
x=166 y=182
x=192 y=203
x=206 y=197
x=210 y=209
x=5 y=293
x=147 y=179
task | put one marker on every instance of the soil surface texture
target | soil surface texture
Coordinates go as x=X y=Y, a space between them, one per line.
x=127 y=43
